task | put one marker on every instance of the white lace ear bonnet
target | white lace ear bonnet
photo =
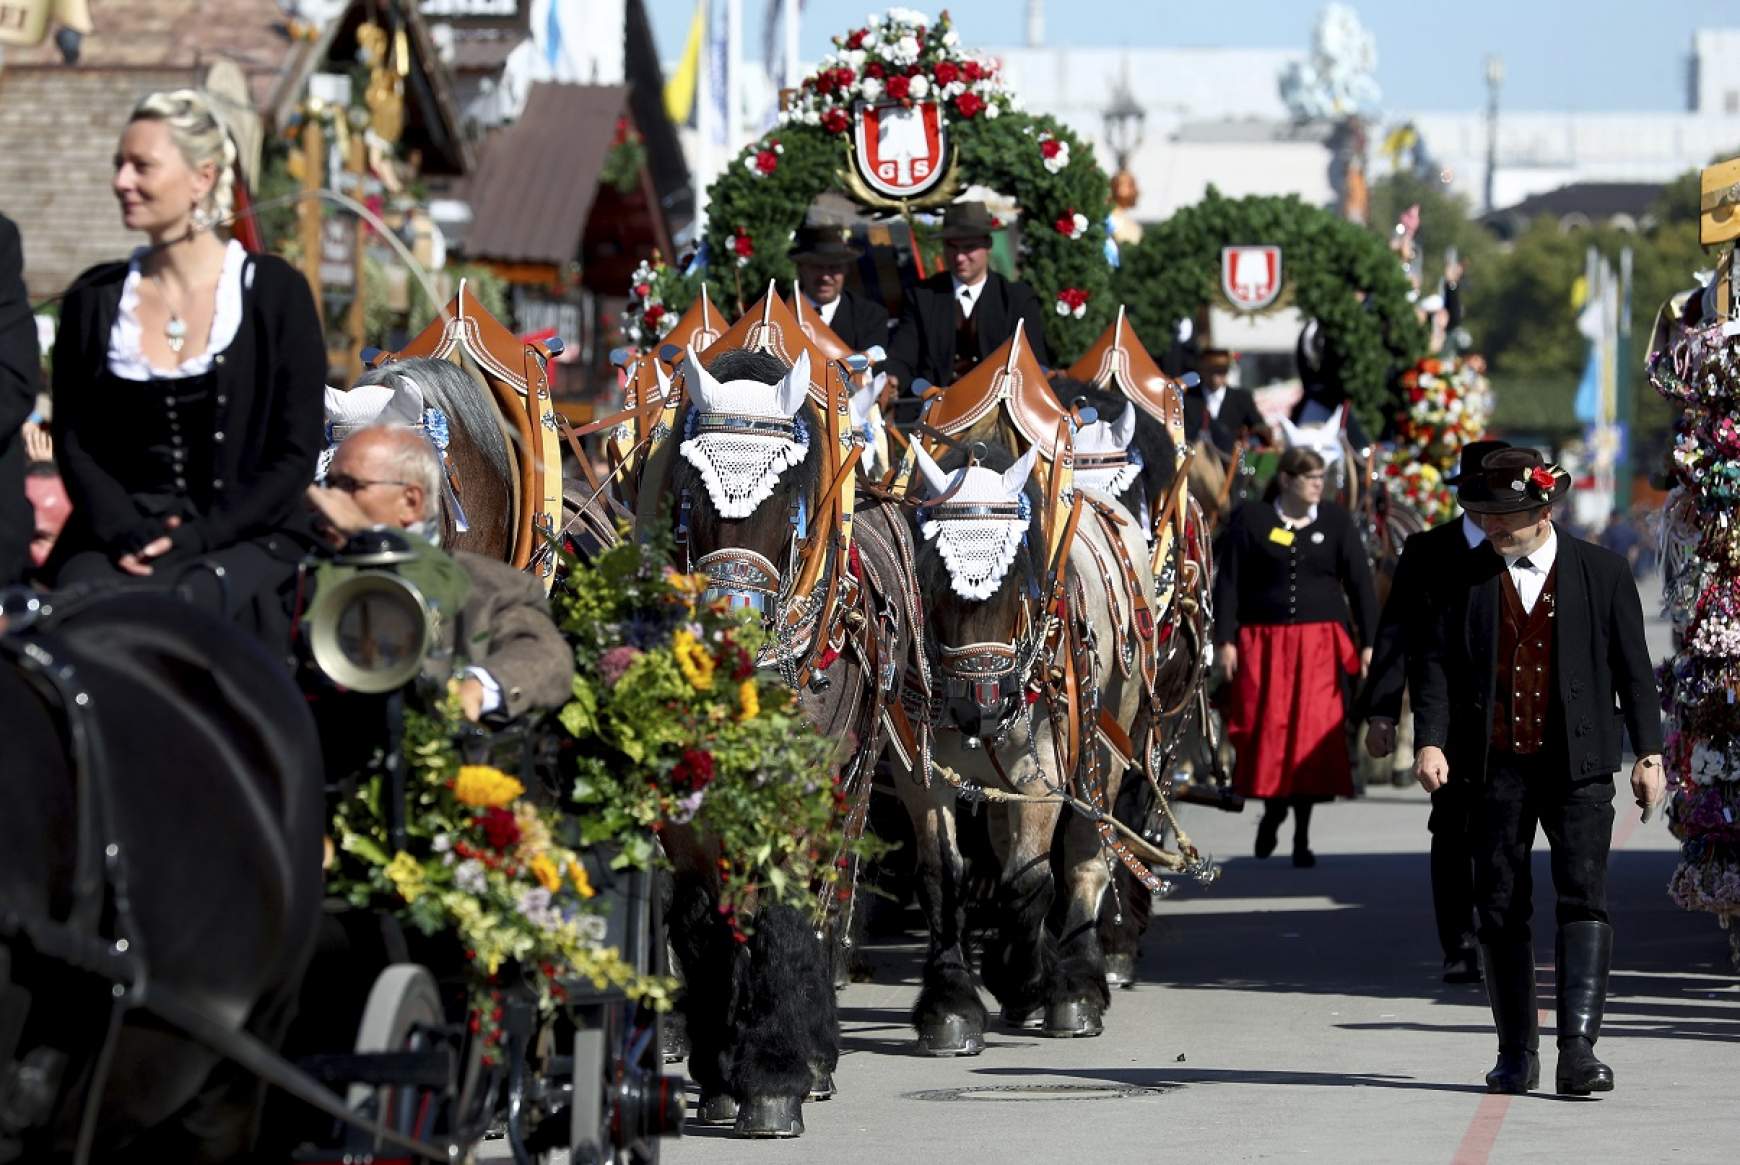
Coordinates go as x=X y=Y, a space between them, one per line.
x=979 y=529
x=742 y=434
x=1104 y=460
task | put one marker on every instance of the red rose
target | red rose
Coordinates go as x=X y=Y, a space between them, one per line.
x=835 y=121
x=642 y=290
x=694 y=771
x=655 y=313
x=946 y=73
x=766 y=161
x=844 y=76
x=1065 y=224
x=856 y=40
x=969 y=104
x=898 y=87
x=1050 y=147
x=825 y=82
x=971 y=70
x=743 y=245
x=875 y=69
x=914 y=69
x=1542 y=478
x=499 y=828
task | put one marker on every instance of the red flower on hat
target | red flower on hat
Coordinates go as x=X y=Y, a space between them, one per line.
x=1542 y=482
x=836 y=121
x=969 y=104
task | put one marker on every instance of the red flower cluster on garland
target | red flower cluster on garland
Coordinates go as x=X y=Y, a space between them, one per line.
x=969 y=104
x=766 y=162
x=835 y=121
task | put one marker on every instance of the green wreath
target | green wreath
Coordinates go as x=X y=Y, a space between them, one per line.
x=1326 y=261
x=759 y=200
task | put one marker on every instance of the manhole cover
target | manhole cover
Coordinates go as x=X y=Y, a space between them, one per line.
x=1007 y=1092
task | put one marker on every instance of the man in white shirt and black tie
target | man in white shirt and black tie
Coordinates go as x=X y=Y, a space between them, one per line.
x=824 y=256
x=1533 y=660
x=956 y=318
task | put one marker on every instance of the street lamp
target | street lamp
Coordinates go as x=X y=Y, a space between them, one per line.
x=1124 y=121
x=1494 y=79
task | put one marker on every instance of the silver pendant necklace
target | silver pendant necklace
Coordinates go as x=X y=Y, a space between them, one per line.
x=175 y=329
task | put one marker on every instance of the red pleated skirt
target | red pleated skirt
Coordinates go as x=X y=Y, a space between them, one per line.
x=1285 y=713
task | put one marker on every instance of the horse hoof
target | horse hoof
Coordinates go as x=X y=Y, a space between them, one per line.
x=1072 y=1019
x=821 y=1085
x=769 y=1117
x=716 y=1109
x=1121 y=971
x=1023 y=1019
x=951 y=1035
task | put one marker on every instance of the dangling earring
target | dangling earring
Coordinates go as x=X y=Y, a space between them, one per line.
x=202 y=218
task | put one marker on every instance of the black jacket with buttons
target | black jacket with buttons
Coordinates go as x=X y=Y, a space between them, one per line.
x=1601 y=671
x=267 y=389
x=1321 y=575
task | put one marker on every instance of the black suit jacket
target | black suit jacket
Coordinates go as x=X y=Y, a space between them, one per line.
x=1238 y=412
x=924 y=339
x=19 y=376
x=861 y=322
x=1429 y=559
x=1601 y=666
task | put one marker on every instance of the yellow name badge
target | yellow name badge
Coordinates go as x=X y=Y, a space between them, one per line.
x=1281 y=536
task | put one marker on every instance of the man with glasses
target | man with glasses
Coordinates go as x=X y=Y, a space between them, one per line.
x=824 y=256
x=386 y=475
x=956 y=318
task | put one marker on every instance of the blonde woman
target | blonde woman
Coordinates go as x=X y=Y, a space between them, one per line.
x=187 y=378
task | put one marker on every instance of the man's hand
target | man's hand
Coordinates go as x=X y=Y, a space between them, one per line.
x=1226 y=657
x=1364 y=663
x=38 y=445
x=139 y=562
x=1648 y=783
x=1431 y=768
x=341 y=515
x=471 y=698
x=1380 y=737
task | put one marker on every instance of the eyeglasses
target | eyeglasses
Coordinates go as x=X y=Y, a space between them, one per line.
x=345 y=483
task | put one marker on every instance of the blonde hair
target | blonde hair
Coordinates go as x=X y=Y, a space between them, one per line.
x=201 y=136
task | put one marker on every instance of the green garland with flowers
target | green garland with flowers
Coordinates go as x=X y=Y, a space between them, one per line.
x=759 y=200
x=675 y=725
x=484 y=864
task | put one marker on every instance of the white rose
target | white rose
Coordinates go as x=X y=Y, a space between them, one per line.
x=1079 y=311
x=854 y=59
x=991 y=110
x=919 y=86
x=953 y=90
x=1062 y=308
x=906 y=50
x=871 y=88
x=951 y=38
x=1081 y=224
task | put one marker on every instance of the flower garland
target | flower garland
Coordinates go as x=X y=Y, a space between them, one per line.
x=653 y=290
x=1444 y=404
x=673 y=724
x=1700 y=372
x=482 y=863
x=760 y=199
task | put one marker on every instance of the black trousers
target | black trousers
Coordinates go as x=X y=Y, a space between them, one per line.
x=1452 y=829
x=1577 y=816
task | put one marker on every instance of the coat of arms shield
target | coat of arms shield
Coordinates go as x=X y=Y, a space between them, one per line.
x=1250 y=276
x=900 y=150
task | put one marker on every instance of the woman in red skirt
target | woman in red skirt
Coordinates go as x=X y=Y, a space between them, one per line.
x=1293 y=579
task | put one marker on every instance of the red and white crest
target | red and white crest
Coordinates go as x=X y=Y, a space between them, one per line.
x=1250 y=276
x=900 y=150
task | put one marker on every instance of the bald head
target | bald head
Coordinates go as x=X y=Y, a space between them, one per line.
x=393 y=473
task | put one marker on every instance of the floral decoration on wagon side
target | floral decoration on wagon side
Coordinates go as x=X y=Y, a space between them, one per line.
x=505 y=877
x=1444 y=404
x=673 y=725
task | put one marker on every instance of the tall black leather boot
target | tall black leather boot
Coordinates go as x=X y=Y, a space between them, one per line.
x=1585 y=954
x=1510 y=988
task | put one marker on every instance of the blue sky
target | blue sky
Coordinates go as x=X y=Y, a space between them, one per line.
x=1558 y=54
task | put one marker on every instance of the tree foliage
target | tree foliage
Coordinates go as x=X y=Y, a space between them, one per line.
x=1338 y=273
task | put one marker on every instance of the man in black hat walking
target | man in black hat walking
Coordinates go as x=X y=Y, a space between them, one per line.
x=823 y=256
x=1531 y=651
x=961 y=315
x=1427 y=560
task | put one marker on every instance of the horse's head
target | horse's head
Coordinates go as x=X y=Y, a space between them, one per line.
x=1124 y=453
x=980 y=566
x=1324 y=439
x=749 y=474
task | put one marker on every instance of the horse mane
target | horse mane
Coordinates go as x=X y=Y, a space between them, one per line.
x=1152 y=441
x=468 y=404
x=766 y=529
x=981 y=619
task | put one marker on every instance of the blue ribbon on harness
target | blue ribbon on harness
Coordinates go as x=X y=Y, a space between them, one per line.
x=434 y=427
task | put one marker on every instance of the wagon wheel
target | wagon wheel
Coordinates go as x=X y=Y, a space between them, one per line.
x=403 y=1014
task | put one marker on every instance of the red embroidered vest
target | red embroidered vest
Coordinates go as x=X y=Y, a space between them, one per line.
x=1525 y=667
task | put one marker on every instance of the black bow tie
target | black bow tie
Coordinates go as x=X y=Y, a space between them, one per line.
x=1524 y=563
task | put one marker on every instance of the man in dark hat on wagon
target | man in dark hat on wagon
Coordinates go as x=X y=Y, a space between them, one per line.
x=959 y=316
x=1535 y=644
x=824 y=256
x=1218 y=412
x=1427 y=560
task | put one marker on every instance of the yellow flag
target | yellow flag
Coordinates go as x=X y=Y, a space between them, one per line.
x=1579 y=292
x=680 y=89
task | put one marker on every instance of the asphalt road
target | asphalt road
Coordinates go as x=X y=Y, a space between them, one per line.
x=1298 y=1014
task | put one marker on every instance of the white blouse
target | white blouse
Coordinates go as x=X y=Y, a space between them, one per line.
x=126 y=348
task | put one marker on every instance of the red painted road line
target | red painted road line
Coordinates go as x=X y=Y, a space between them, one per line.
x=1483 y=1130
